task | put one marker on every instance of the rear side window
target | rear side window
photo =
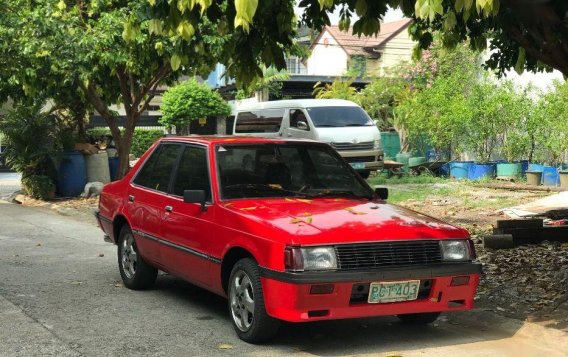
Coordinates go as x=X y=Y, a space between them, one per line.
x=193 y=172
x=157 y=170
x=259 y=121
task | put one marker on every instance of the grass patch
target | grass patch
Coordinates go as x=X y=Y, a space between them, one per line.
x=419 y=192
x=404 y=180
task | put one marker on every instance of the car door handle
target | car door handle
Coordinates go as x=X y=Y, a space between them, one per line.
x=168 y=208
x=130 y=198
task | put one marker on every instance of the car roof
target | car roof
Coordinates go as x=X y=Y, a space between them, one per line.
x=295 y=103
x=232 y=139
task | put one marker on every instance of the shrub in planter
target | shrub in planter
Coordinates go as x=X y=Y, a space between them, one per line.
x=40 y=187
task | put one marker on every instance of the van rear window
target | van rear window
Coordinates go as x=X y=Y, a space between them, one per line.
x=261 y=121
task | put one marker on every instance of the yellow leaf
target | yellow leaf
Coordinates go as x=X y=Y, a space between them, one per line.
x=304 y=200
x=225 y=346
x=61 y=5
x=155 y=26
x=229 y=204
x=248 y=208
x=185 y=30
x=175 y=62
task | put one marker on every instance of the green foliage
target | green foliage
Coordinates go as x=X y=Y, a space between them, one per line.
x=191 y=100
x=357 y=67
x=380 y=97
x=549 y=125
x=29 y=136
x=38 y=186
x=142 y=139
x=338 y=89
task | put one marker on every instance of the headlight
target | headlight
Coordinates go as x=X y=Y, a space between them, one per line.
x=376 y=144
x=456 y=250
x=312 y=258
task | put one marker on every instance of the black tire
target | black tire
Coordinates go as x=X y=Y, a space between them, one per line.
x=364 y=174
x=261 y=326
x=135 y=272
x=419 y=319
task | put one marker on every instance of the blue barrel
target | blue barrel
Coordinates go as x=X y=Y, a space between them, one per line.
x=72 y=175
x=113 y=163
x=524 y=166
x=550 y=176
x=445 y=169
x=536 y=167
x=460 y=169
x=479 y=171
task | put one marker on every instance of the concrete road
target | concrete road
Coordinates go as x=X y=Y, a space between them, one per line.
x=60 y=295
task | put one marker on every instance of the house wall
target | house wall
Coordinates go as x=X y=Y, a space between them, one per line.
x=327 y=60
x=396 y=50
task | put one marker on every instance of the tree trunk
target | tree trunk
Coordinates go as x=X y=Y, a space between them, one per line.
x=126 y=144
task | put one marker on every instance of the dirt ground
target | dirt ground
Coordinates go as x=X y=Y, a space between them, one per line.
x=528 y=282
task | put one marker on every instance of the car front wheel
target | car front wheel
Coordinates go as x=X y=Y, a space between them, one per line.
x=135 y=272
x=246 y=304
x=419 y=319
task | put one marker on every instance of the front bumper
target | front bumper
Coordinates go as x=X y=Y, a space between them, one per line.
x=288 y=296
x=372 y=160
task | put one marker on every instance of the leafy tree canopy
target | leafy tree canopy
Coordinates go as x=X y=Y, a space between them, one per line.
x=191 y=100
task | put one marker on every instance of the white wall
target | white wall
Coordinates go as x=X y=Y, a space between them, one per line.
x=330 y=60
x=394 y=51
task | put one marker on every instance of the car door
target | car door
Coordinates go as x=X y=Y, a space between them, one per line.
x=188 y=227
x=147 y=196
x=293 y=131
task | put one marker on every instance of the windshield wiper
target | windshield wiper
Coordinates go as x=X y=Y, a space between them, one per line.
x=355 y=124
x=340 y=193
x=269 y=187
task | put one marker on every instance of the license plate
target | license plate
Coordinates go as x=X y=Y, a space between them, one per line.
x=393 y=291
x=357 y=165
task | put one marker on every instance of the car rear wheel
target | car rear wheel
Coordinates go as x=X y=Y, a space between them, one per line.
x=419 y=319
x=135 y=272
x=246 y=304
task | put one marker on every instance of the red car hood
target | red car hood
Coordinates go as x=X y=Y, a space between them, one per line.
x=326 y=221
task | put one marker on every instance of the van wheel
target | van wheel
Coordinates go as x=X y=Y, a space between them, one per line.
x=364 y=174
x=136 y=274
x=419 y=319
x=246 y=304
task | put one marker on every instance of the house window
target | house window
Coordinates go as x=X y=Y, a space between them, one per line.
x=295 y=65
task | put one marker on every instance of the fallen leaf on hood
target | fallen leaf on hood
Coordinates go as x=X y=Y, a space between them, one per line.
x=248 y=208
x=352 y=210
x=304 y=200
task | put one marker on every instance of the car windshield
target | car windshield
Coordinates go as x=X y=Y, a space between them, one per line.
x=286 y=170
x=339 y=117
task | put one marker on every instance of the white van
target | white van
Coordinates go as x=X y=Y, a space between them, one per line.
x=340 y=123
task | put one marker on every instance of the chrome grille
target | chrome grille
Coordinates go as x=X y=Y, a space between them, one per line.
x=366 y=145
x=384 y=254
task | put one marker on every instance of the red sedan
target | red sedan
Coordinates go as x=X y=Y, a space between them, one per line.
x=287 y=230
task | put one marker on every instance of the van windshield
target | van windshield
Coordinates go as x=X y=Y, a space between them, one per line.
x=339 y=116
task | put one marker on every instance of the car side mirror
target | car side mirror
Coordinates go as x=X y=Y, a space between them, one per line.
x=302 y=125
x=195 y=196
x=382 y=192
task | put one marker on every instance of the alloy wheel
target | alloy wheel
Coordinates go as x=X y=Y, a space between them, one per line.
x=242 y=301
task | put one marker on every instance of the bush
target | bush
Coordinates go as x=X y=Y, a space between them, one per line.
x=141 y=140
x=30 y=140
x=38 y=186
x=191 y=100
